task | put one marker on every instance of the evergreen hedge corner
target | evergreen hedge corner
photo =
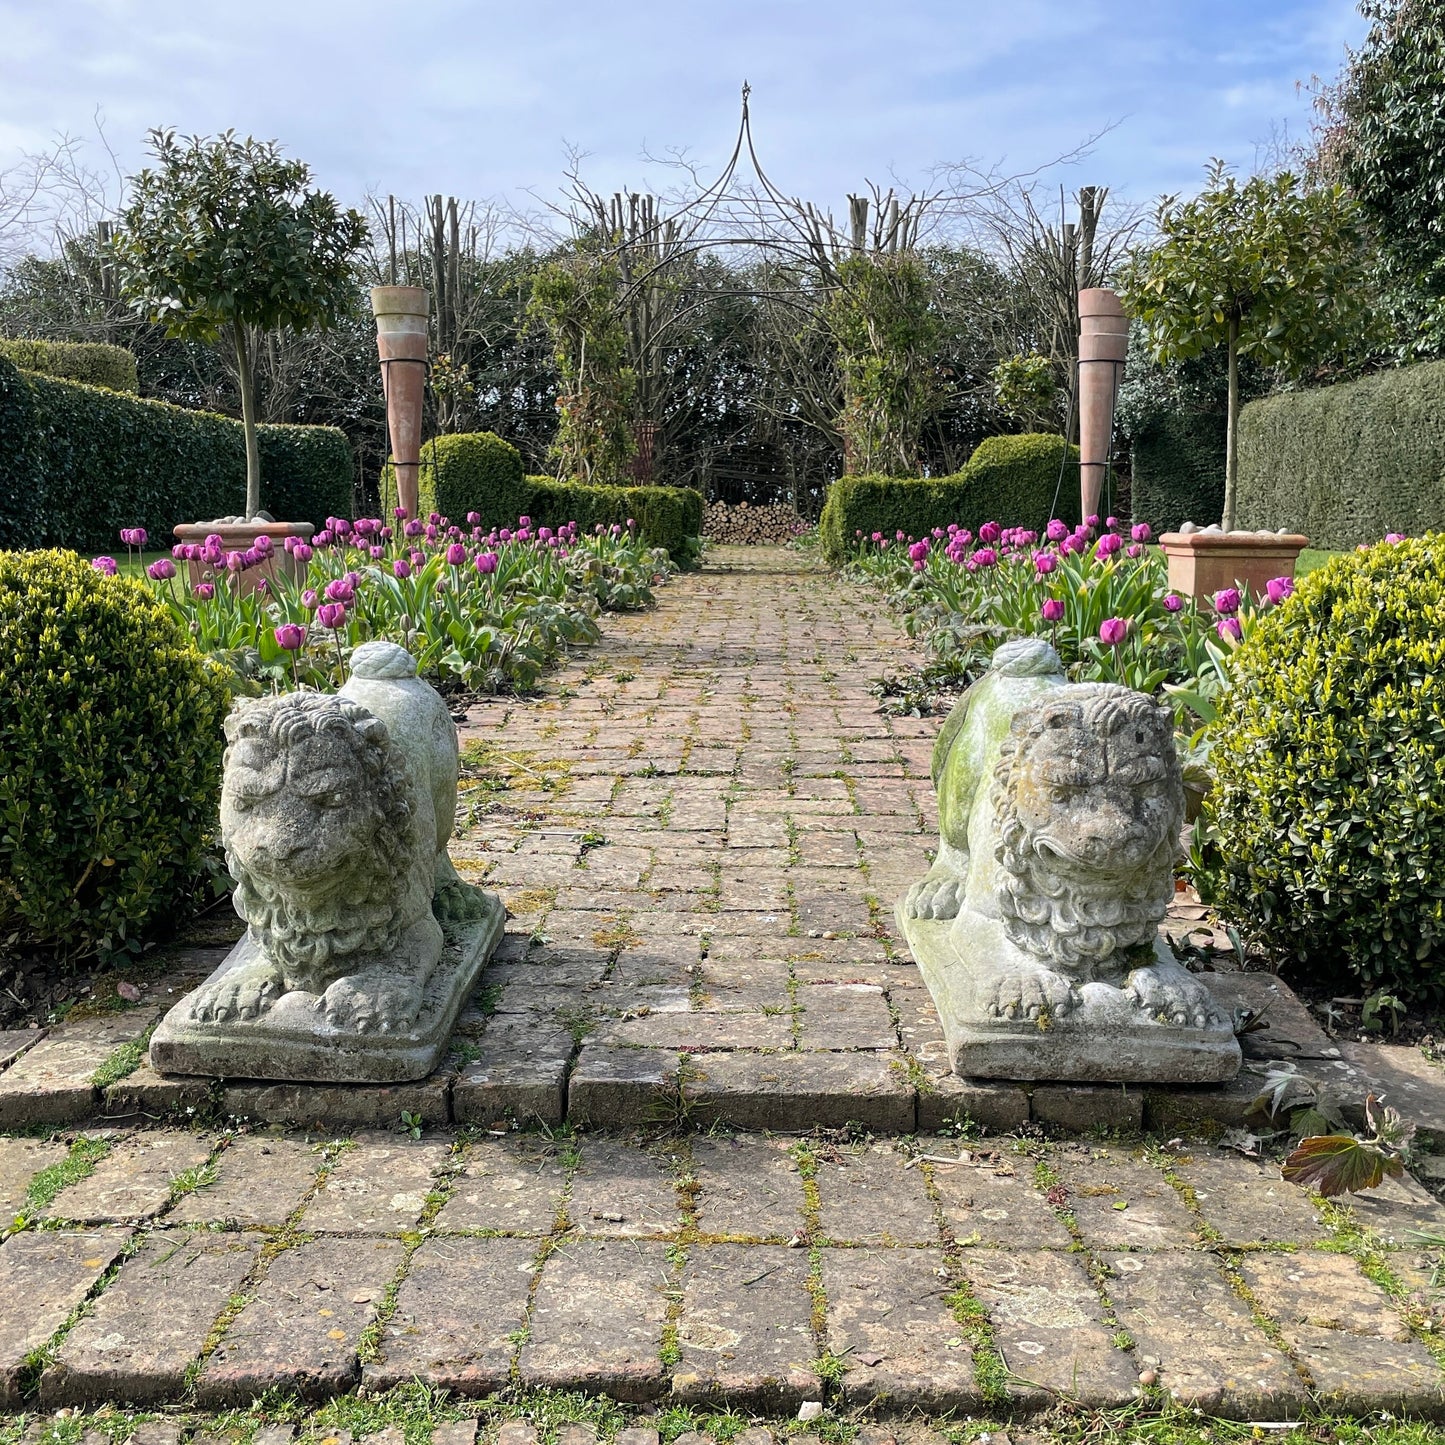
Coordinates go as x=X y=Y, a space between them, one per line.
x=1327 y=813
x=1012 y=480
x=1348 y=463
x=78 y=463
x=467 y=472
x=93 y=362
x=669 y=517
x=1022 y=481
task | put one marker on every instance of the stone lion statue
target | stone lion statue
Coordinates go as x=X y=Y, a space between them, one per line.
x=335 y=814
x=1060 y=807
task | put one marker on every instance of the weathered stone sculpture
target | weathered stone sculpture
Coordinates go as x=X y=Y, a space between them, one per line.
x=1037 y=927
x=335 y=815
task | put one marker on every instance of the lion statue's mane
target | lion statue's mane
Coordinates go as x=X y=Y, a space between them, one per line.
x=1071 y=922
x=311 y=930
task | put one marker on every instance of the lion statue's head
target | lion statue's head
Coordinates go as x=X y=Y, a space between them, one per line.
x=316 y=821
x=1088 y=806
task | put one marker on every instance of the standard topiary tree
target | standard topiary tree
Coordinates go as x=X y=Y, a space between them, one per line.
x=1266 y=269
x=223 y=235
x=1329 y=759
x=110 y=731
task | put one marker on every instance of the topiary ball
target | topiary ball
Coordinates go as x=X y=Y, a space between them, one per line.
x=110 y=758
x=1329 y=759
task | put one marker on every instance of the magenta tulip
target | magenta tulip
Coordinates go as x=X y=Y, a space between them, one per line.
x=332 y=615
x=104 y=565
x=1052 y=610
x=1113 y=630
x=290 y=636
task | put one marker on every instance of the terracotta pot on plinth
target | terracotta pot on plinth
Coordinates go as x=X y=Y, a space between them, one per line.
x=1103 y=345
x=1200 y=563
x=401 y=342
x=241 y=537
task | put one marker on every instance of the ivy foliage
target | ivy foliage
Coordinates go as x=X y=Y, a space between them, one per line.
x=575 y=298
x=887 y=336
x=1328 y=807
x=110 y=758
x=92 y=362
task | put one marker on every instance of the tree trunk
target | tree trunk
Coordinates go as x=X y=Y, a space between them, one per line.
x=1231 y=434
x=248 y=421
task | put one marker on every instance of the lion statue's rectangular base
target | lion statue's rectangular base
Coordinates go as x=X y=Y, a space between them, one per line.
x=293 y=1042
x=1103 y=1041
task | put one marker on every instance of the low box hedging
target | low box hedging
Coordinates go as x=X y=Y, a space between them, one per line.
x=93 y=362
x=79 y=462
x=110 y=731
x=480 y=472
x=1347 y=463
x=1008 y=479
x=668 y=517
x=1328 y=806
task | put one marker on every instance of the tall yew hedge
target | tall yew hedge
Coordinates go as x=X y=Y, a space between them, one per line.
x=78 y=462
x=1348 y=463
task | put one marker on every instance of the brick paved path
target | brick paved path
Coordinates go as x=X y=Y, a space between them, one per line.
x=699 y=831
x=749 y=1270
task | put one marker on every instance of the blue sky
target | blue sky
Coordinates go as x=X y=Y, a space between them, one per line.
x=482 y=99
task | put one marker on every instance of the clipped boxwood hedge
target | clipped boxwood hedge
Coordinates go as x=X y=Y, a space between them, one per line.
x=93 y=362
x=668 y=517
x=110 y=732
x=79 y=462
x=1008 y=479
x=1328 y=805
x=479 y=472
x=1348 y=463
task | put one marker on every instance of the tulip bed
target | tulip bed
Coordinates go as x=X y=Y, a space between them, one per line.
x=1096 y=592
x=481 y=610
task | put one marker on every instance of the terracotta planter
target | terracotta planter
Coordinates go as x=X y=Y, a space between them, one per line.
x=401 y=342
x=240 y=537
x=1200 y=563
x=1103 y=345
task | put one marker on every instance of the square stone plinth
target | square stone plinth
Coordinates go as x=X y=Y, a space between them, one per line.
x=294 y=1043
x=1105 y=1040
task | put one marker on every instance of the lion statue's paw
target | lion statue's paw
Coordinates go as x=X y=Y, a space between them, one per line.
x=243 y=993
x=938 y=895
x=458 y=902
x=372 y=1003
x=1171 y=996
x=1028 y=994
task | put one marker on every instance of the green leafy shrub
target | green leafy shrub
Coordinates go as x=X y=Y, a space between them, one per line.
x=1011 y=479
x=92 y=362
x=1329 y=759
x=1347 y=463
x=110 y=736
x=79 y=462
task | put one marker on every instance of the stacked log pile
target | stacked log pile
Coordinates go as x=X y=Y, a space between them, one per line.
x=751 y=526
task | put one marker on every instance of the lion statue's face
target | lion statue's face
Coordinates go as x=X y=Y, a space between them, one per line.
x=294 y=817
x=1089 y=803
x=318 y=832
